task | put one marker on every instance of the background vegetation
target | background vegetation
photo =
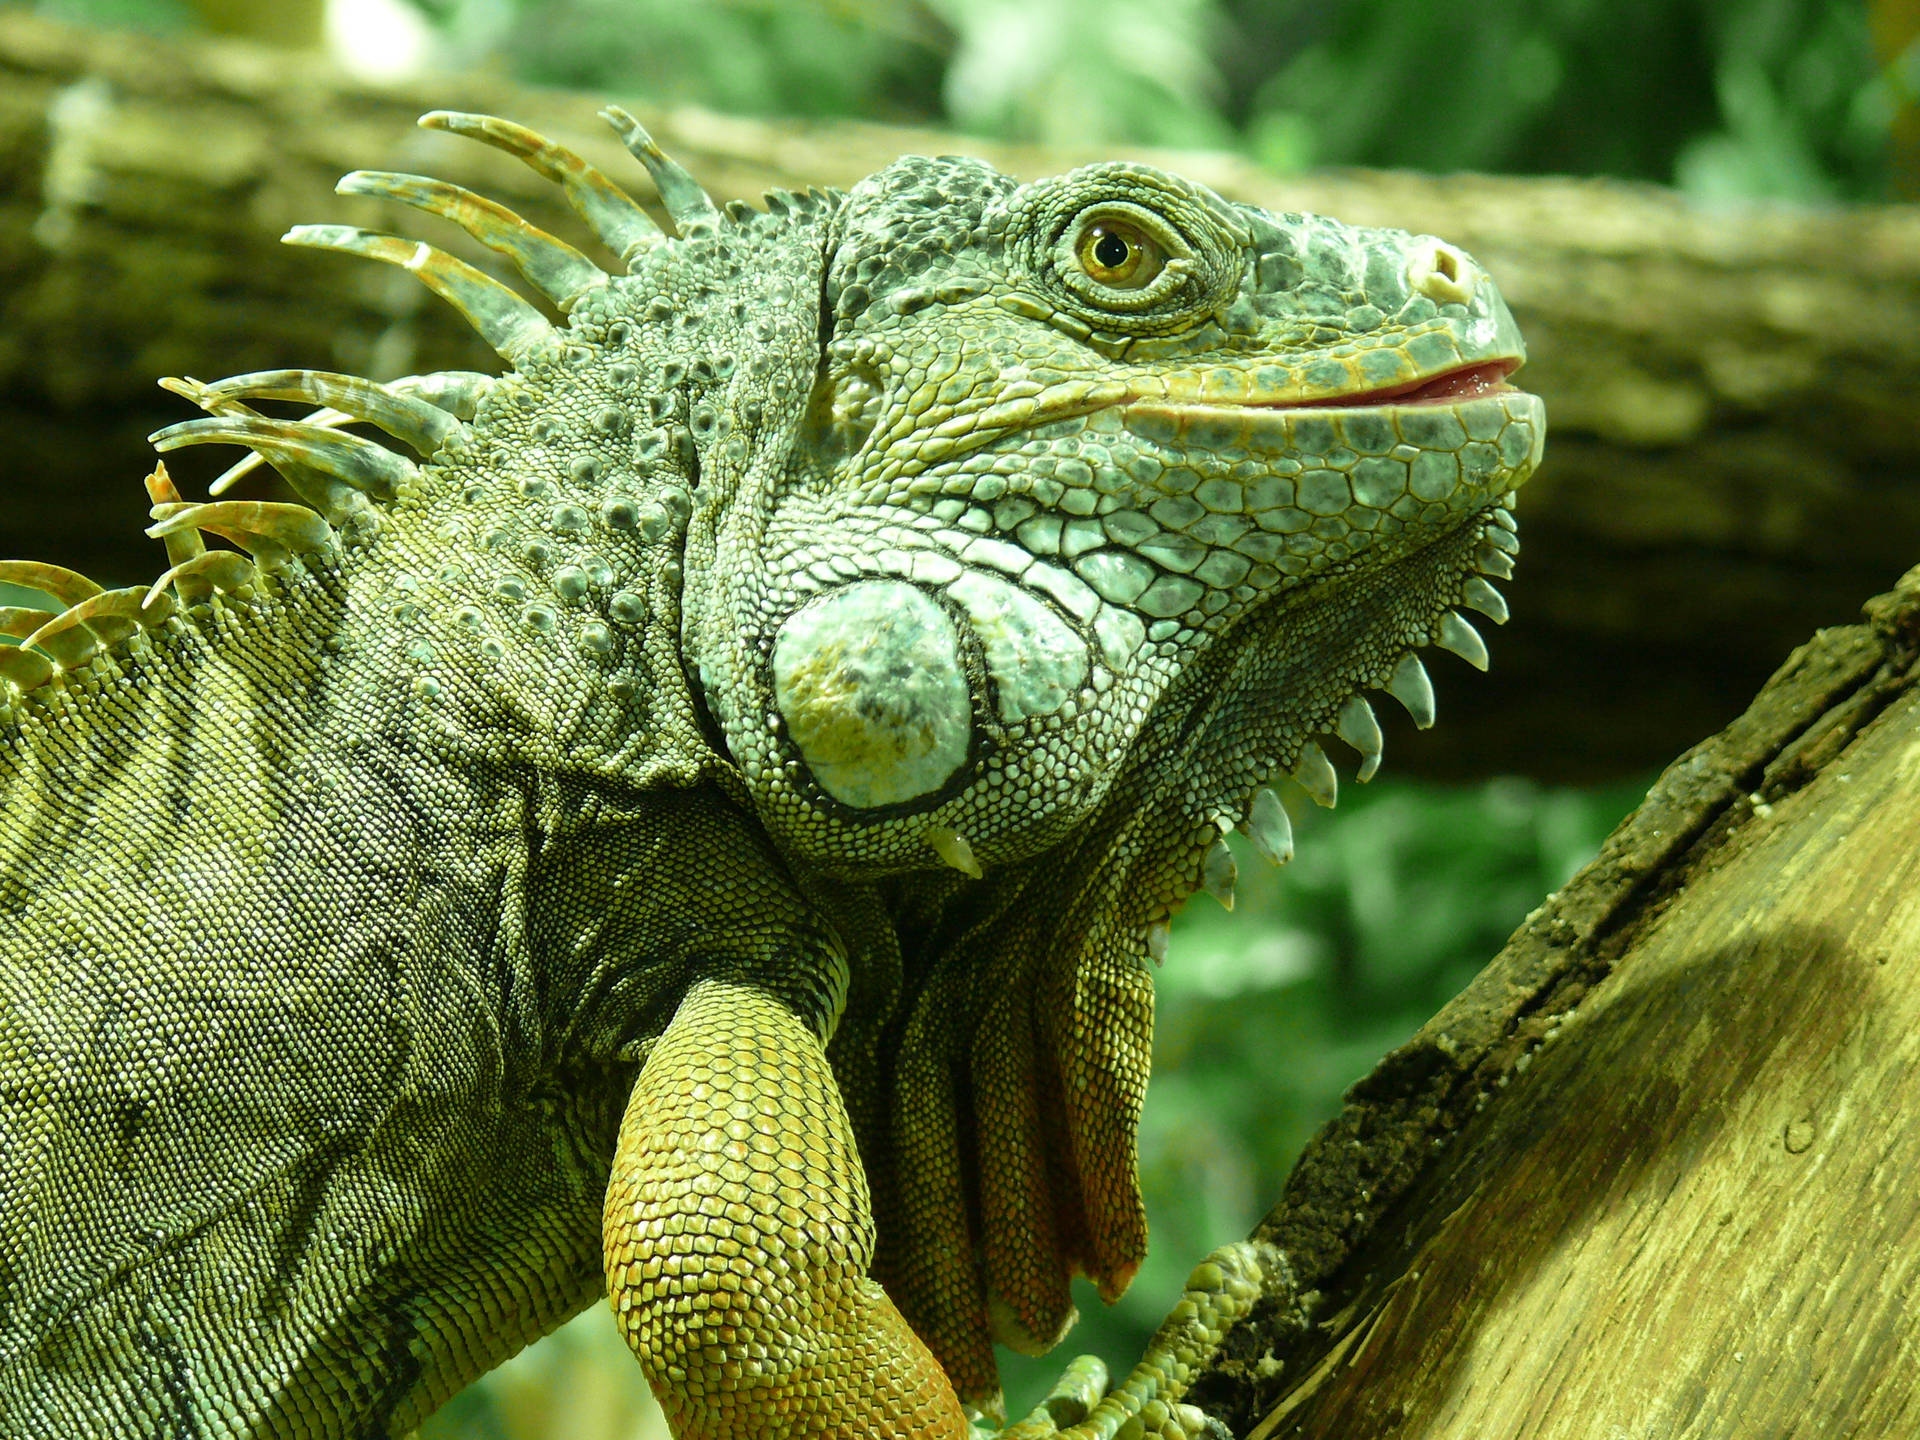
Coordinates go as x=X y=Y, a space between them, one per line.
x=1790 y=99
x=1266 y=1015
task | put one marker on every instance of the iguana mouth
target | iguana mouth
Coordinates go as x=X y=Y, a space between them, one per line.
x=1214 y=421
x=1464 y=382
x=1189 y=398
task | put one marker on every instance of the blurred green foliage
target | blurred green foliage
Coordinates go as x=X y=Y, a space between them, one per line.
x=1776 y=98
x=155 y=17
x=1726 y=98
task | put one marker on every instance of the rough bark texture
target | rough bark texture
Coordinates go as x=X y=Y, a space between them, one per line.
x=1734 y=450
x=1651 y=1174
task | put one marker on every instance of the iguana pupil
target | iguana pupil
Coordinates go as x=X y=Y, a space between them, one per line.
x=1120 y=256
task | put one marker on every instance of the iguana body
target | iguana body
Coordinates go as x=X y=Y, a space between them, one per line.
x=703 y=826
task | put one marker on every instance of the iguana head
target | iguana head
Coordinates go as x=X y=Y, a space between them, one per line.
x=1103 y=477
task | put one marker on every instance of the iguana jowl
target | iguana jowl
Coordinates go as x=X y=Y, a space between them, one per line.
x=704 y=824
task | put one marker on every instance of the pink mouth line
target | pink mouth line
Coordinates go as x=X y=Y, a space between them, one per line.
x=1466 y=383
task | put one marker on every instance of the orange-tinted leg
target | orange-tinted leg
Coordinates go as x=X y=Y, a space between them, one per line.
x=738 y=1234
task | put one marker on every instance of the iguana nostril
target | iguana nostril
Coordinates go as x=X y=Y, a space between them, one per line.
x=1441 y=273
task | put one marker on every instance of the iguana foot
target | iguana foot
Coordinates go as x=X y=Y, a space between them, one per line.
x=1219 y=1293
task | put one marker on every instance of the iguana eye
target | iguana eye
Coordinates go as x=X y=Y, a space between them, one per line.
x=1118 y=255
x=1121 y=265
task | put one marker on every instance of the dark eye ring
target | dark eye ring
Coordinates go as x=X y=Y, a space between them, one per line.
x=1118 y=255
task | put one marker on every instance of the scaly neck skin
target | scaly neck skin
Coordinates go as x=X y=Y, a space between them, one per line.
x=280 y=935
x=486 y=684
x=222 y=756
x=514 y=614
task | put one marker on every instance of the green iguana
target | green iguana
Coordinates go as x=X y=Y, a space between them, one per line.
x=702 y=824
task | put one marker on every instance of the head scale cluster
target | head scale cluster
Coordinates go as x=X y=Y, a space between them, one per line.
x=1041 y=498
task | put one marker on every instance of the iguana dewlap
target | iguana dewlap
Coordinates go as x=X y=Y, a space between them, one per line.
x=696 y=812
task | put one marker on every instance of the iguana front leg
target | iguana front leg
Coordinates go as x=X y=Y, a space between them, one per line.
x=738 y=1234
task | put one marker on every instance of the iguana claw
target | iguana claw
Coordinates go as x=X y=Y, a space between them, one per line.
x=1220 y=1292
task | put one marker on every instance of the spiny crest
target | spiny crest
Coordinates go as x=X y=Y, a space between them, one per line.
x=342 y=477
x=1263 y=818
x=1256 y=810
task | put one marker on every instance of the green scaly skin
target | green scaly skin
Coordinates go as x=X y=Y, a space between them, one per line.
x=705 y=825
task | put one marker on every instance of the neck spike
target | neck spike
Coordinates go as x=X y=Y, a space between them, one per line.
x=613 y=215
x=692 y=209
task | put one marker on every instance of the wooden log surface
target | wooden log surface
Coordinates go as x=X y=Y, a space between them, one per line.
x=1735 y=441
x=1654 y=1172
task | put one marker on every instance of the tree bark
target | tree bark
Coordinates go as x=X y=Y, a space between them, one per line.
x=1734 y=449
x=1653 y=1172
